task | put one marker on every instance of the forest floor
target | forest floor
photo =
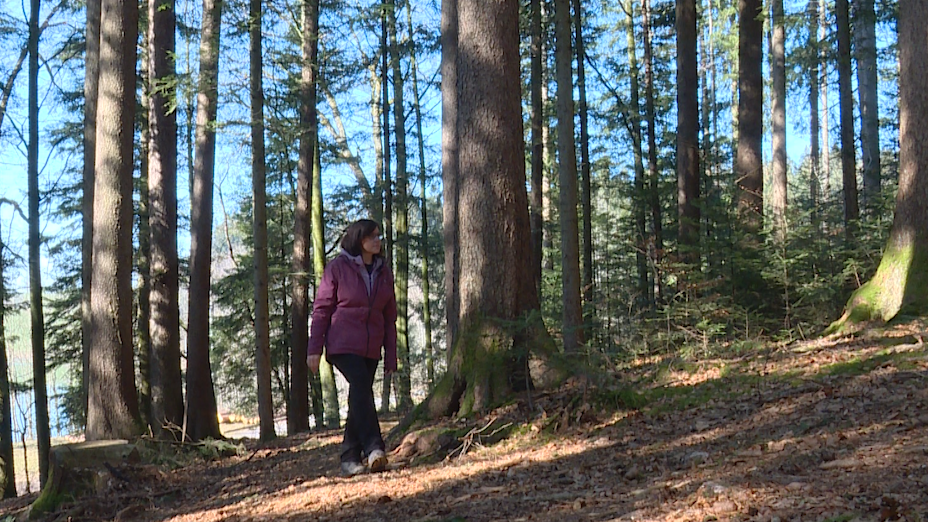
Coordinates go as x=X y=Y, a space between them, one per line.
x=833 y=429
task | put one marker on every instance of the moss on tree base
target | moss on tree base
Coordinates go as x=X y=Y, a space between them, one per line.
x=489 y=363
x=899 y=285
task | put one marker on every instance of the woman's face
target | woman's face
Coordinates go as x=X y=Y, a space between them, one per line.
x=371 y=243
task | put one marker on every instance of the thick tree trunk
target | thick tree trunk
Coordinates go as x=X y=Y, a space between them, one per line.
x=586 y=202
x=202 y=420
x=846 y=102
x=865 y=38
x=423 y=207
x=778 y=73
x=298 y=410
x=167 y=384
x=112 y=398
x=537 y=117
x=750 y=168
x=687 y=131
x=901 y=281
x=35 y=271
x=486 y=209
x=567 y=182
x=259 y=191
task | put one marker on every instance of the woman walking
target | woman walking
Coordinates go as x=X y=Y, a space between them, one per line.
x=354 y=317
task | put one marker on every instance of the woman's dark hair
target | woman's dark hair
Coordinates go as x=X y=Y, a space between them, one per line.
x=357 y=231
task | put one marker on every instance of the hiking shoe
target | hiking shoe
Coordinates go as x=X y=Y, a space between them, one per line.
x=377 y=461
x=350 y=469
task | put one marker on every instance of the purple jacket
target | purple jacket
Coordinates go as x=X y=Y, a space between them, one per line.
x=354 y=312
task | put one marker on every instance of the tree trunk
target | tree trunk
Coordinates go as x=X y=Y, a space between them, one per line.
x=656 y=245
x=778 y=74
x=259 y=191
x=823 y=85
x=901 y=281
x=202 y=420
x=91 y=82
x=450 y=163
x=35 y=270
x=486 y=222
x=112 y=398
x=750 y=168
x=387 y=190
x=167 y=384
x=7 y=468
x=638 y=200
x=586 y=202
x=815 y=153
x=423 y=207
x=687 y=131
x=404 y=370
x=865 y=37
x=846 y=102
x=327 y=411
x=325 y=395
x=567 y=181
x=143 y=255
x=298 y=410
x=537 y=117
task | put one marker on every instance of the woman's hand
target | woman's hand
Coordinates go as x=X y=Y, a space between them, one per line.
x=312 y=361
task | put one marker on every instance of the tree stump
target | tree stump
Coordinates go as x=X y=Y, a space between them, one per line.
x=79 y=469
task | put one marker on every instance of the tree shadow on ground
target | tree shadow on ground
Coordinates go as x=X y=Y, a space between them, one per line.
x=845 y=439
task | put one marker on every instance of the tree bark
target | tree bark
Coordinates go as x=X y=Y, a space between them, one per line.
x=404 y=370
x=423 y=207
x=259 y=191
x=112 y=398
x=639 y=198
x=846 y=102
x=167 y=384
x=450 y=163
x=387 y=189
x=823 y=85
x=536 y=182
x=586 y=202
x=687 y=131
x=901 y=281
x=298 y=410
x=814 y=126
x=202 y=420
x=324 y=392
x=91 y=83
x=35 y=271
x=867 y=81
x=486 y=208
x=567 y=182
x=7 y=468
x=327 y=412
x=750 y=168
x=143 y=254
x=778 y=195
x=656 y=244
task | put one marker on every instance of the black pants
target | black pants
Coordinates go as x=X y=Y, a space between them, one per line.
x=362 y=429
